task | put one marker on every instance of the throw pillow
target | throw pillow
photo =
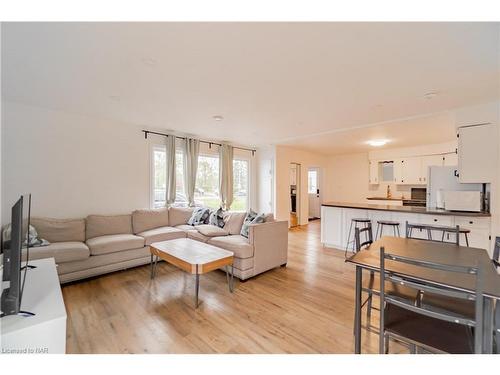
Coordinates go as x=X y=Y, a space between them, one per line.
x=199 y=215
x=217 y=218
x=251 y=218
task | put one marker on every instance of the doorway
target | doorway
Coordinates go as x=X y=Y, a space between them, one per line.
x=294 y=201
x=313 y=192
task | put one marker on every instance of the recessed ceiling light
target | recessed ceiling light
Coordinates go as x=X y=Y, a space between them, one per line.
x=218 y=118
x=149 y=61
x=377 y=142
x=431 y=95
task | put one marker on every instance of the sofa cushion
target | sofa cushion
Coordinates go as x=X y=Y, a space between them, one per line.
x=59 y=230
x=217 y=218
x=114 y=242
x=199 y=216
x=238 y=244
x=251 y=218
x=211 y=230
x=68 y=251
x=143 y=220
x=179 y=215
x=161 y=234
x=101 y=225
x=185 y=227
x=195 y=235
x=234 y=221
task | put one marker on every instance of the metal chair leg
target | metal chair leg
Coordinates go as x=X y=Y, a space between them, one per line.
x=466 y=239
x=386 y=339
x=348 y=237
x=397 y=228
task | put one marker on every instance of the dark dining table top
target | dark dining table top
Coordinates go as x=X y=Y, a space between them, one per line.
x=438 y=252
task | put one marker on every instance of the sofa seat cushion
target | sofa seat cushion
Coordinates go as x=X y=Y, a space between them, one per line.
x=62 y=252
x=238 y=244
x=113 y=243
x=195 y=235
x=211 y=230
x=161 y=234
x=185 y=227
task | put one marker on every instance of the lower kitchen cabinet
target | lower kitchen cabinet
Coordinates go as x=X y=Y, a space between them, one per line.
x=335 y=223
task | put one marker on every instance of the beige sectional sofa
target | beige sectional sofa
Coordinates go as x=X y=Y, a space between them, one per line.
x=100 y=244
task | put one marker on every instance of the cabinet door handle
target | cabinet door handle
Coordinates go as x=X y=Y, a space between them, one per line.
x=471 y=222
x=435 y=220
x=456 y=173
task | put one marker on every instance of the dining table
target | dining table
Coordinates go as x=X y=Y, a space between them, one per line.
x=435 y=252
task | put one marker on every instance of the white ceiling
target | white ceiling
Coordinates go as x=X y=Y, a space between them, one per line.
x=274 y=83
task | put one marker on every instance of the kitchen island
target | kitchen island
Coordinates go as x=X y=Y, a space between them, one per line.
x=336 y=218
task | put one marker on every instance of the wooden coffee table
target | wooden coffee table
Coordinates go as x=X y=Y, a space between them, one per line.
x=193 y=257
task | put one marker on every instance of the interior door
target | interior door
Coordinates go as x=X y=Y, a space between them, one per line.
x=314 y=193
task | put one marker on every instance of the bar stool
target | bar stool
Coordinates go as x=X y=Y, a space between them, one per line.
x=358 y=223
x=463 y=231
x=389 y=223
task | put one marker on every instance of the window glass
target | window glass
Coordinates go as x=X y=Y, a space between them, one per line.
x=206 y=192
x=240 y=185
x=312 y=181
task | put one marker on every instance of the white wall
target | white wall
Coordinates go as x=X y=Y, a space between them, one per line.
x=73 y=165
x=284 y=156
x=264 y=165
x=77 y=165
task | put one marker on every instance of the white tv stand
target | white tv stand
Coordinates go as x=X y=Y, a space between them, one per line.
x=45 y=332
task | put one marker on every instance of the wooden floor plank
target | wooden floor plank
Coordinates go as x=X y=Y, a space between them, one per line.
x=306 y=307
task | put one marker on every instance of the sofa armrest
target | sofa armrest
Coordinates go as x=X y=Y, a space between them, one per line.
x=270 y=242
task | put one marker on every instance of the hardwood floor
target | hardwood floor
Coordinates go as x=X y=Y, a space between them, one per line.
x=306 y=307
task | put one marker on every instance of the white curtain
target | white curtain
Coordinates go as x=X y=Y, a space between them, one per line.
x=170 y=172
x=226 y=176
x=191 y=152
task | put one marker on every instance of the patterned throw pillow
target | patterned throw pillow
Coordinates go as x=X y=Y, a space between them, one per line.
x=217 y=218
x=251 y=218
x=199 y=216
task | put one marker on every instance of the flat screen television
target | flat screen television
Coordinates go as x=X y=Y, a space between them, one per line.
x=13 y=242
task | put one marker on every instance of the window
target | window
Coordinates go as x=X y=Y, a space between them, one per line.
x=240 y=185
x=206 y=192
x=159 y=182
x=312 y=178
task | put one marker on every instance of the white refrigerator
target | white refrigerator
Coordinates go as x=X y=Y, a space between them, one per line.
x=441 y=179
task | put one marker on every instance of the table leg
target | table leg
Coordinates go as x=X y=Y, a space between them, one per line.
x=488 y=326
x=232 y=278
x=151 y=265
x=357 y=311
x=197 y=288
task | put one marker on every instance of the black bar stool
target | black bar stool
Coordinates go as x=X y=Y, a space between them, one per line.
x=358 y=223
x=382 y=223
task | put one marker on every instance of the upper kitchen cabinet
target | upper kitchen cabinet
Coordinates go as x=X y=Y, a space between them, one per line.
x=477 y=153
x=450 y=160
x=429 y=161
x=408 y=171
x=374 y=175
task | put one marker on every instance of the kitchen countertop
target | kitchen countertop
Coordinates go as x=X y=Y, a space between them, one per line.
x=407 y=209
x=384 y=199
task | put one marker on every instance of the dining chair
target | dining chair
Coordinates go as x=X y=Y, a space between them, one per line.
x=371 y=284
x=431 y=329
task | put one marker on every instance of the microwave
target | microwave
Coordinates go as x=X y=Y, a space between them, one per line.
x=463 y=201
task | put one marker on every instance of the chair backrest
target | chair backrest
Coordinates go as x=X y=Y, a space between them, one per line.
x=368 y=235
x=441 y=289
x=496 y=252
x=429 y=227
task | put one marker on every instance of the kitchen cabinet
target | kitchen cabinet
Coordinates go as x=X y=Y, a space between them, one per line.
x=407 y=171
x=293 y=175
x=374 y=172
x=450 y=160
x=332 y=226
x=477 y=153
x=426 y=162
x=335 y=222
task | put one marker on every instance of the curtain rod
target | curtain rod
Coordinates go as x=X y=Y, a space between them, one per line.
x=146 y=132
